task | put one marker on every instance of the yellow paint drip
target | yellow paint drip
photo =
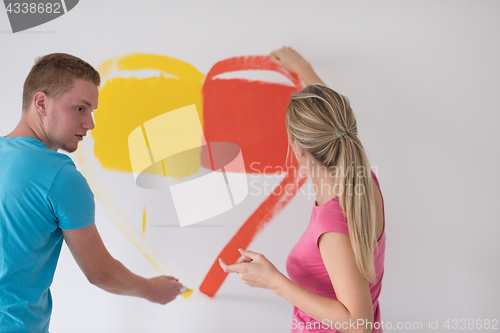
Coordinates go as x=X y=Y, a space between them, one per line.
x=144 y=220
x=126 y=103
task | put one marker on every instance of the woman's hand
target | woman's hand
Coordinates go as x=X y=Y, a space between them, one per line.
x=255 y=270
x=290 y=59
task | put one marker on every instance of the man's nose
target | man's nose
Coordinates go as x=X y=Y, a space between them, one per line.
x=89 y=122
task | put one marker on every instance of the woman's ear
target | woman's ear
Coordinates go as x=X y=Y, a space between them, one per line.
x=297 y=149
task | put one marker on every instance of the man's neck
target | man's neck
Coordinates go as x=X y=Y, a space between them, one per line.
x=24 y=128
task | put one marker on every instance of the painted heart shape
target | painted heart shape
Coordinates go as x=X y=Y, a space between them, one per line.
x=129 y=96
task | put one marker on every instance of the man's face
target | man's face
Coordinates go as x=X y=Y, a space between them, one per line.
x=69 y=116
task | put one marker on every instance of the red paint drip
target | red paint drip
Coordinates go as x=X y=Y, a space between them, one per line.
x=273 y=204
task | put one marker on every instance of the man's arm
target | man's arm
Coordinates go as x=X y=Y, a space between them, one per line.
x=107 y=273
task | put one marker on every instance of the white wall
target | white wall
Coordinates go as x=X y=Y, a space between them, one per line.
x=423 y=80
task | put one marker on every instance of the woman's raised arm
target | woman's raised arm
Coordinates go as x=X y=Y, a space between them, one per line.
x=290 y=59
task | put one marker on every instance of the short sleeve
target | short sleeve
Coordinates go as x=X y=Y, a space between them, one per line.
x=71 y=199
x=330 y=218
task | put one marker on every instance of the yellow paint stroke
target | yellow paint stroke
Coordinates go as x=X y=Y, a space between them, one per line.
x=88 y=166
x=186 y=293
x=144 y=220
x=126 y=103
x=165 y=138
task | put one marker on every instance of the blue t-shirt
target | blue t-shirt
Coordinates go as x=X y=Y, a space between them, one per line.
x=41 y=192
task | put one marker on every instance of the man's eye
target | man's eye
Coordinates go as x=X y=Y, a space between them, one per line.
x=80 y=109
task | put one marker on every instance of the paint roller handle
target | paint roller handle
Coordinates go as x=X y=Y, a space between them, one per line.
x=291 y=60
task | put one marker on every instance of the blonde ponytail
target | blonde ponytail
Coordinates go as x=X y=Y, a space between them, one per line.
x=323 y=124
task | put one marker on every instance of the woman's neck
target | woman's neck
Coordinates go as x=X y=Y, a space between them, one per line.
x=324 y=185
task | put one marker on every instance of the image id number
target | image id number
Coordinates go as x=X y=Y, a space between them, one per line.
x=471 y=324
x=25 y=8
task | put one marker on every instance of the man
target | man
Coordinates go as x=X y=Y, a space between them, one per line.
x=43 y=199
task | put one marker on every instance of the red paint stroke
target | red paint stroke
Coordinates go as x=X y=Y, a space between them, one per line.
x=252 y=115
x=273 y=204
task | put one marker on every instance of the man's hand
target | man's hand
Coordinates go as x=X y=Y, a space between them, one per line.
x=163 y=289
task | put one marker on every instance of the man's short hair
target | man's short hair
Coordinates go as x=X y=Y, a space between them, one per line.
x=54 y=74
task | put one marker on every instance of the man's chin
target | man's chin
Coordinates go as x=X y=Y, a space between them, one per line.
x=69 y=149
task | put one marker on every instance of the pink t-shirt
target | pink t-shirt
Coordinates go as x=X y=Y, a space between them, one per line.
x=305 y=266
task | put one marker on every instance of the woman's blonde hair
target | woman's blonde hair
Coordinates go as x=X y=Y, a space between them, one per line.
x=321 y=121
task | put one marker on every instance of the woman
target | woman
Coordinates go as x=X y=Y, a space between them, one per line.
x=336 y=268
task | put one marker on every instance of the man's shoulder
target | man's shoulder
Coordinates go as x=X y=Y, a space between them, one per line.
x=29 y=158
x=30 y=148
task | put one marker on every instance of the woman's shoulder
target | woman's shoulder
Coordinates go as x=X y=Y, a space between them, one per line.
x=329 y=217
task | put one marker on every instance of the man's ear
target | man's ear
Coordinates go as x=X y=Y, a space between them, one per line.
x=40 y=103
